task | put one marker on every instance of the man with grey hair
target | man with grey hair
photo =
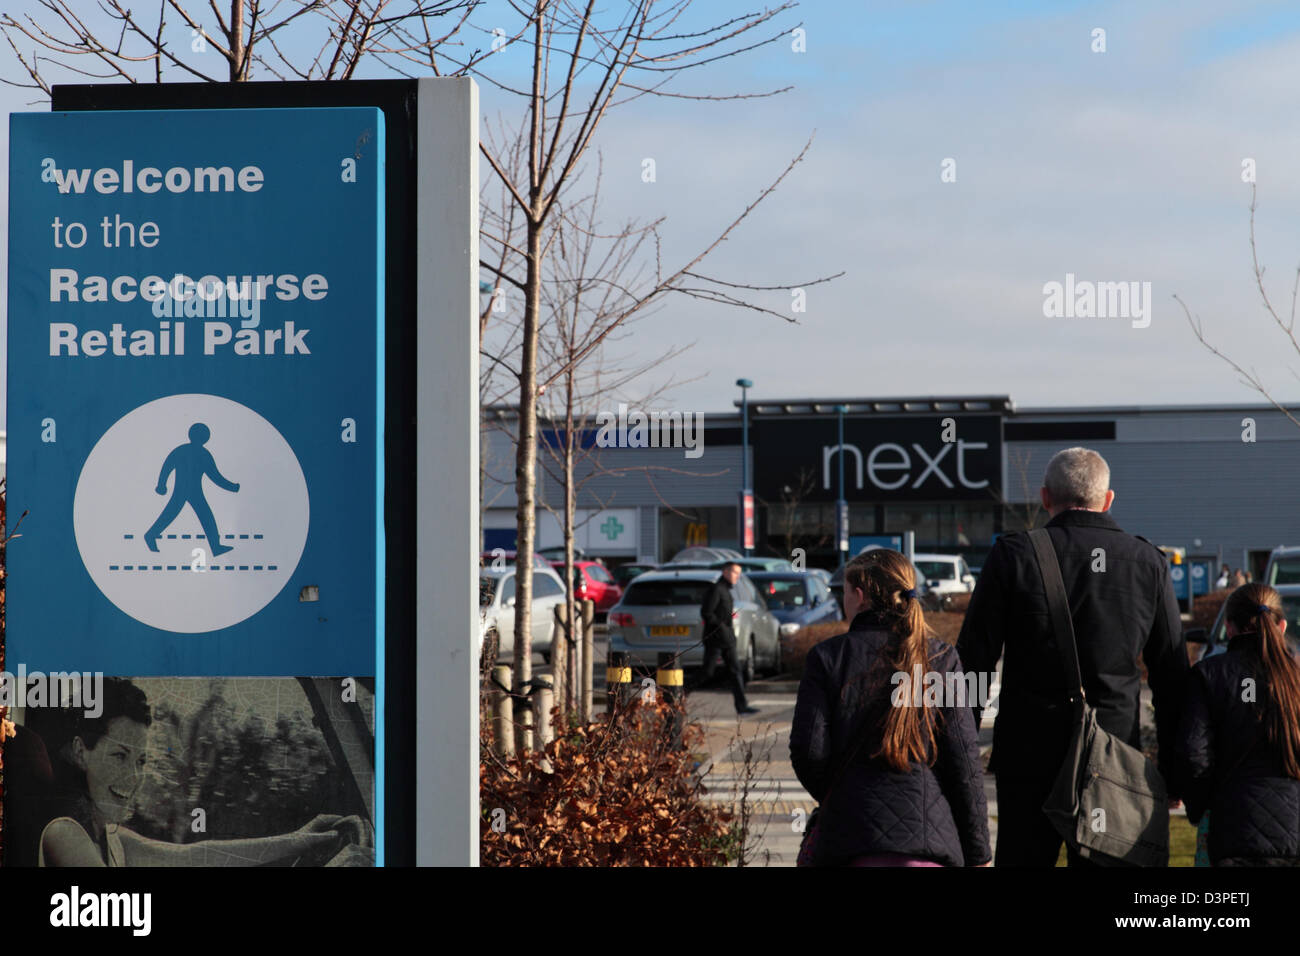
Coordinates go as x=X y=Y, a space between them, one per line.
x=1122 y=606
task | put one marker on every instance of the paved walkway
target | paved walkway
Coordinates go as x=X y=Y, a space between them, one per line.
x=753 y=753
x=756 y=749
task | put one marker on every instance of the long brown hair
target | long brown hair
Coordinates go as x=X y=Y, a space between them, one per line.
x=1257 y=608
x=885 y=578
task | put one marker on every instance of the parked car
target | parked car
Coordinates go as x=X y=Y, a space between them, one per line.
x=1283 y=567
x=797 y=598
x=626 y=572
x=751 y=565
x=556 y=554
x=929 y=600
x=945 y=573
x=660 y=611
x=496 y=609
x=592 y=581
x=500 y=557
x=748 y=565
x=1215 y=641
x=705 y=555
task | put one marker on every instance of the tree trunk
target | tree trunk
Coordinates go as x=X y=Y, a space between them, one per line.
x=526 y=451
x=236 y=40
x=570 y=600
x=526 y=488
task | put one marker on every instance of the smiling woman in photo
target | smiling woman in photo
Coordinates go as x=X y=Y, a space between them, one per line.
x=97 y=772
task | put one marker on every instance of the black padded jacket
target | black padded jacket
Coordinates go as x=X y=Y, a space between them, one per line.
x=1231 y=769
x=937 y=811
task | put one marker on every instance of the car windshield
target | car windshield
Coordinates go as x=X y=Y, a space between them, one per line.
x=941 y=570
x=666 y=593
x=783 y=593
x=487 y=586
x=1290 y=605
x=1285 y=571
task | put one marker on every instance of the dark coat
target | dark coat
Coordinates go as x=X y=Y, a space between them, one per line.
x=1127 y=610
x=938 y=812
x=716 y=611
x=1232 y=769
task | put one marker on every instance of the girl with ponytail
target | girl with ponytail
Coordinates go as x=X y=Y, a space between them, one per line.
x=896 y=771
x=1240 y=737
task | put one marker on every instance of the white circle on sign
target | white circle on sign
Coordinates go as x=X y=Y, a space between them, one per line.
x=197 y=448
x=1198 y=571
x=1176 y=573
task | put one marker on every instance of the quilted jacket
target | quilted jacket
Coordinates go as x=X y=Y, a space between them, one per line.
x=1231 y=768
x=937 y=812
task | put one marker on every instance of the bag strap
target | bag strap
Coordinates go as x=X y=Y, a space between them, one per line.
x=1058 y=607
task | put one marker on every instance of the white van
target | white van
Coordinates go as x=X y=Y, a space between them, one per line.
x=945 y=573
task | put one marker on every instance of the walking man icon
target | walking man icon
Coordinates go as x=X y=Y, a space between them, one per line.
x=190 y=462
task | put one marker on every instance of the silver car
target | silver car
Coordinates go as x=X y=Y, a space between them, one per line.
x=1215 y=641
x=496 y=610
x=660 y=611
x=1283 y=567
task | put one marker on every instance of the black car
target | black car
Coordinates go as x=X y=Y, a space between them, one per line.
x=929 y=599
x=624 y=573
x=796 y=598
x=1215 y=641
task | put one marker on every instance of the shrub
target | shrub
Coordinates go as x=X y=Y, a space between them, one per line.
x=1206 y=608
x=957 y=603
x=614 y=792
x=795 y=648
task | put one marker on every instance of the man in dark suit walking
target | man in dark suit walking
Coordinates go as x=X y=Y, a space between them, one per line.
x=1122 y=605
x=716 y=610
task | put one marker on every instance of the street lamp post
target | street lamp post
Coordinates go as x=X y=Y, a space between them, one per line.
x=745 y=491
x=841 y=505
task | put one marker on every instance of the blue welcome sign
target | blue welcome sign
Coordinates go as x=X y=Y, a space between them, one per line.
x=195 y=391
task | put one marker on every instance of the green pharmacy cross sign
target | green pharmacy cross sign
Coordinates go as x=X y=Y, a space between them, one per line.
x=612 y=528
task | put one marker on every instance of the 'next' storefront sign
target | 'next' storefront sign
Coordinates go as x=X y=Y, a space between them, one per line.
x=904 y=458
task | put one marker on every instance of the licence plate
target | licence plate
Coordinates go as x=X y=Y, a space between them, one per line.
x=674 y=630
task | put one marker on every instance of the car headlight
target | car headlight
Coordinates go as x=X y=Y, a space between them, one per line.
x=788 y=629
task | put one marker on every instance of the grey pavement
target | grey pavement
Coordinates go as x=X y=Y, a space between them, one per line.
x=756 y=749
x=777 y=802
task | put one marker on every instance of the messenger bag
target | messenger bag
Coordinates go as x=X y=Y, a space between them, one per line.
x=1109 y=801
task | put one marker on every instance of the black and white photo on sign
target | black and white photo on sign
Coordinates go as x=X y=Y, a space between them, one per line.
x=196 y=772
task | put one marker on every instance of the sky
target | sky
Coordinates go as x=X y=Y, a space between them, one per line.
x=1117 y=166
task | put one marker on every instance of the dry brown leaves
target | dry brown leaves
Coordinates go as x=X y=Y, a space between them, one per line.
x=618 y=794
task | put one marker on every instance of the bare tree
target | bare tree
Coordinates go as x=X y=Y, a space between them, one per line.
x=1028 y=508
x=1286 y=326
x=788 y=518
x=584 y=62
x=588 y=286
x=110 y=41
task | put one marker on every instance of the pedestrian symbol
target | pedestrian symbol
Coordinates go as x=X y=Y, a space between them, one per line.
x=258 y=525
x=191 y=462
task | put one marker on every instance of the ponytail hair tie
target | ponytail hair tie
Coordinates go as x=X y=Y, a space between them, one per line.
x=909 y=593
x=1265 y=609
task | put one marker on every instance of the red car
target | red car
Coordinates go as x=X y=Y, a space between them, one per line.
x=592 y=580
